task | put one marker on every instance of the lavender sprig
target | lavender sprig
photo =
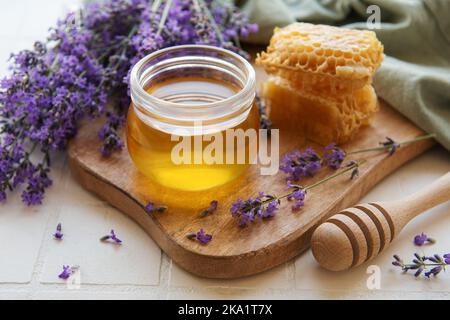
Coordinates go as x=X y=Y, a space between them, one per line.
x=265 y=205
x=85 y=61
x=392 y=146
x=428 y=266
x=298 y=165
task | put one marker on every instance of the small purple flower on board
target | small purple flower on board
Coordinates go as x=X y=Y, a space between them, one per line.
x=391 y=145
x=210 y=210
x=422 y=239
x=200 y=236
x=152 y=208
x=112 y=236
x=58 y=235
x=333 y=156
x=67 y=272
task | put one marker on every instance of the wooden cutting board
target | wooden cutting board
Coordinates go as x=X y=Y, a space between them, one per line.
x=237 y=252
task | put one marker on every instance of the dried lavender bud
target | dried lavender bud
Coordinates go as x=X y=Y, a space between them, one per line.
x=152 y=208
x=210 y=210
x=67 y=272
x=333 y=156
x=355 y=172
x=263 y=206
x=203 y=238
x=298 y=196
x=391 y=144
x=265 y=122
x=447 y=258
x=422 y=239
x=434 y=272
x=112 y=236
x=200 y=236
x=58 y=235
x=298 y=164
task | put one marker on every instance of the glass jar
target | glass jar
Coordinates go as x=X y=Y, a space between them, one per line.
x=183 y=99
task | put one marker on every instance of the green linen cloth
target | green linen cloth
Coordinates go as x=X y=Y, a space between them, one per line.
x=415 y=77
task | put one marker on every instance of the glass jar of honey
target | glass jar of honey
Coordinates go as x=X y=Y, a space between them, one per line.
x=187 y=102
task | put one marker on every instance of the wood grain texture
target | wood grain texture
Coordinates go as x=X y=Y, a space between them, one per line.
x=237 y=252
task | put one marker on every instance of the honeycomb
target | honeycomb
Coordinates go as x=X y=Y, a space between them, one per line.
x=323 y=119
x=323 y=58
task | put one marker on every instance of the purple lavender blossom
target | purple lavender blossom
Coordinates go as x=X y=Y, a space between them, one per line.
x=210 y=210
x=58 y=235
x=66 y=273
x=298 y=196
x=428 y=266
x=298 y=164
x=203 y=238
x=391 y=145
x=447 y=258
x=355 y=172
x=86 y=60
x=333 y=156
x=112 y=236
x=200 y=236
x=151 y=208
x=434 y=272
x=422 y=239
x=263 y=206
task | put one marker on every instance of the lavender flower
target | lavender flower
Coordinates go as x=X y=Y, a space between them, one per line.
x=151 y=208
x=428 y=266
x=355 y=172
x=333 y=156
x=67 y=272
x=447 y=258
x=210 y=210
x=58 y=234
x=391 y=145
x=263 y=206
x=200 y=236
x=422 y=238
x=300 y=164
x=266 y=205
x=112 y=236
x=85 y=60
x=298 y=195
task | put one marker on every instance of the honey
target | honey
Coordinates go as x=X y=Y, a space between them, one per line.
x=196 y=106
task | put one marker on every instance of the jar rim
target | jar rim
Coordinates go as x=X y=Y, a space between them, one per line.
x=139 y=94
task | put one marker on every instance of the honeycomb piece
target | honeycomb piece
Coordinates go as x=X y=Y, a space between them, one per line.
x=336 y=58
x=334 y=118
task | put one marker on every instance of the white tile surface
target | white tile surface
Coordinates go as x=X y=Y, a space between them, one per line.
x=137 y=270
x=136 y=261
x=277 y=278
x=21 y=233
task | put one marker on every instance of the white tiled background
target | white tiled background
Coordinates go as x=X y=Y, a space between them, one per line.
x=30 y=259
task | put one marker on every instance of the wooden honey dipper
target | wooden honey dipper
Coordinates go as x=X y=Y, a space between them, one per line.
x=359 y=234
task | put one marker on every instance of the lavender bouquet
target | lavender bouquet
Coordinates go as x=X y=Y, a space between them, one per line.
x=81 y=72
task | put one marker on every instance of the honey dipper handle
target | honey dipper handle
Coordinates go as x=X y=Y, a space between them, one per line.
x=404 y=210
